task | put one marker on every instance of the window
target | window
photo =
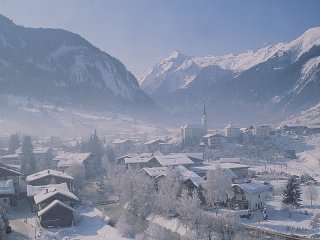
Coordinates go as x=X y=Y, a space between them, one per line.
x=259 y=195
x=243 y=197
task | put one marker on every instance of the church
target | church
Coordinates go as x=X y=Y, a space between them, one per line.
x=192 y=133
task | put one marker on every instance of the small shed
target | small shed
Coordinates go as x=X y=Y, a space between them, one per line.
x=56 y=214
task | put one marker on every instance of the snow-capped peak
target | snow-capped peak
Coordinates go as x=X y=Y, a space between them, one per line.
x=304 y=43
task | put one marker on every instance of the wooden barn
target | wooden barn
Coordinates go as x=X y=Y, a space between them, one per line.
x=56 y=214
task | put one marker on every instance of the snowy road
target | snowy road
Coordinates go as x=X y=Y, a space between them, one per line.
x=20 y=228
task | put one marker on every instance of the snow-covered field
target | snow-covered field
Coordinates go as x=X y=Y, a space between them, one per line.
x=308 y=162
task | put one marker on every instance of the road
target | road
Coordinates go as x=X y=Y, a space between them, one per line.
x=21 y=229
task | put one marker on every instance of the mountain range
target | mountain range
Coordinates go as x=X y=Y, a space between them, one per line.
x=266 y=85
x=59 y=67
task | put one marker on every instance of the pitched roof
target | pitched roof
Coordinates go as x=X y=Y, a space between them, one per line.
x=137 y=159
x=44 y=195
x=67 y=158
x=254 y=187
x=47 y=172
x=51 y=205
x=7 y=187
x=174 y=159
x=34 y=190
x=10 y=169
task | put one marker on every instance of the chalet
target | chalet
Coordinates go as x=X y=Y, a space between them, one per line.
x=250 y=196
x=41 y=154
x=174 y=159
x=56 y=214
x=7 y=173
x=66 y=159
x=238 y=171
x=123 y=146
x=170 y=146
x=154 y=145
x=232 y=132
x=191 y=134
x=213 y=140
x=262 y=131
x=44 y=198
x=190 y=179
x=11 y=160
x=50 y=176
x=7 y=193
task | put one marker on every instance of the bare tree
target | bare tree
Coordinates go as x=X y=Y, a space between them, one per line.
x=123 y=227
x=169 y=189
x=217 y=187
x=312 y=193
x=77 y=171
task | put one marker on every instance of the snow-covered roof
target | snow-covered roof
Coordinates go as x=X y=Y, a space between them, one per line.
x=36 y=150
x=67 y=158
x=229 y=160
x=232 y=125
x=213 y=166
x=193 y=125
x=154 y=141
x=34 y=190
x=11 y=169
x=254 y=187
x=232 y=165
x=10 y=156
x=155 y=171
x=209 y=135
x=137 y=160
x=185 y=173
x=195 y=155
x=47 y=172
x=174 y=159
x=51 y=205
x=47 y=193
x=121 y=141
x=7 y=187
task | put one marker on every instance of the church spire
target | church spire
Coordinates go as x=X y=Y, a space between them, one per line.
x=204 y=109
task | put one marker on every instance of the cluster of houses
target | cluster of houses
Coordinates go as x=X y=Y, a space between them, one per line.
x=51 y=197
x=247 y=194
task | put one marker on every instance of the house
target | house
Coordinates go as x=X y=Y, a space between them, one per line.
x=11 y=160
x=7 y=173
x=154 y=145
x=7 y=193
x=44 y=198
x=262 y=131
x=170 y=146
x=50 y=176
x=213 y=140
x=123 y=146
x=56 y=214
x=190 y=179
x=312 y=129
x=234 y=170
x=174 y=159
x=232 y=132
x=42 y=155
x=252 y=195
x=65 y=159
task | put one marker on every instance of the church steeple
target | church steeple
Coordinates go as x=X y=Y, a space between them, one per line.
x=204 y=120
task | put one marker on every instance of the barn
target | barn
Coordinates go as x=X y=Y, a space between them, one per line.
x=56 y=214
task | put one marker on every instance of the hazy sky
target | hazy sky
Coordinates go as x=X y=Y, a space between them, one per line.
x=142 y=32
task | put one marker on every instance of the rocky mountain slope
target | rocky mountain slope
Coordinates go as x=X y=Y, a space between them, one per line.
x=62 y=68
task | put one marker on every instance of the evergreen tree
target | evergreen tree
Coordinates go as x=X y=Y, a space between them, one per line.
x=14 y=143
x=94 y=146
x=28 y=164
x=292 y=193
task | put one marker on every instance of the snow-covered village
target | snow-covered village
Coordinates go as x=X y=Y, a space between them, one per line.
x=216 y=143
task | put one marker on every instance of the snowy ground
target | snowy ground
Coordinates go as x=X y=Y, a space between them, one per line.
x=308 y=162
x=92 y=224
